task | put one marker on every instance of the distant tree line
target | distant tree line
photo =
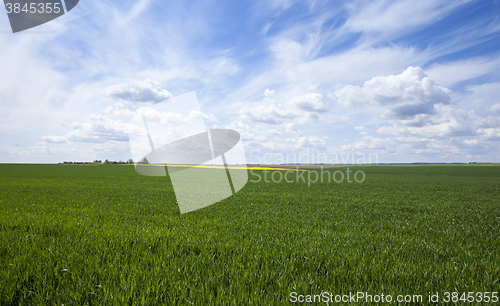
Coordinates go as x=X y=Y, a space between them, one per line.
x=79 y=163
x=106 y=162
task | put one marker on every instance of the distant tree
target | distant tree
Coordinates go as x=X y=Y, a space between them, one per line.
x=106 y=161
x=130 y=161
x=144 y=161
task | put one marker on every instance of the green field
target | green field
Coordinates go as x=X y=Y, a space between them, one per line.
x=104 y=235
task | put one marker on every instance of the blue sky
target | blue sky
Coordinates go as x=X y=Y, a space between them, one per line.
x=407 y=81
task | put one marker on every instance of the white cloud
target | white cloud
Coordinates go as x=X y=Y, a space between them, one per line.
x=38 y=150
x=102 y=128
x=223 y=65
x=54 y=139
x=411 y=149
x=28 y=96
x=135 y=11
x=312 y=102
x=389 y=17
x=139 y=91
x=401 y=96
x=269 y=93
x=369 y=143
x=447 y=122
x=439 y=149
x=99 y=129
x=490 y=134
x=268 y=112
x=299 y=109
x=161 y=118
x=482 y=98
x=209 y=118
x=496 y=108
x=361 y=129
x=451 y=73
x=310 y=51
x=118 y=109
x=294 y=144
x=312 y=87
x=251 y=136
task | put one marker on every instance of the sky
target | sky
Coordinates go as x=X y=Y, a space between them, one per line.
x=312 y=81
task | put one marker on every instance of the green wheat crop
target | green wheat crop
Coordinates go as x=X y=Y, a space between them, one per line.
x=105 y=235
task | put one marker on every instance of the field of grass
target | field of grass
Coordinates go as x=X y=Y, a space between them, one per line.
x=105 y=235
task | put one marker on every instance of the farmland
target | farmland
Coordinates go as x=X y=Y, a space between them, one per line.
x=77 y=235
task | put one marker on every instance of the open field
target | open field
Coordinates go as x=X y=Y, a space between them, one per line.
x=106 y=235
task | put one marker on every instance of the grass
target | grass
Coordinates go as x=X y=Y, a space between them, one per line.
x=105 y=235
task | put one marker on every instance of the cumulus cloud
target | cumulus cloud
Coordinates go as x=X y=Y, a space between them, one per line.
x=472 y=146
x=293 y=144
x=419 y=115
x=400 y=97
x=104 y=128
x=300 y=110
x=170 y=119
x=490 y=134
x=369 y=143
x=252 y=136
x=118 y=109
x=270 y=113
x=99 y=129
x=269 y=93
x=448 y=122
x=361 y=129
x=312 y=102
x=438 y=149
x=379 y=149
x=420 y=119
x=496 y=108
x=139 y=91
x=208 y=118
x=39 y=150
x=312 y=87
x=54 y=139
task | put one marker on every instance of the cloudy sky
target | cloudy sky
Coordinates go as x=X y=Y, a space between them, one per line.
x=407 y=80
